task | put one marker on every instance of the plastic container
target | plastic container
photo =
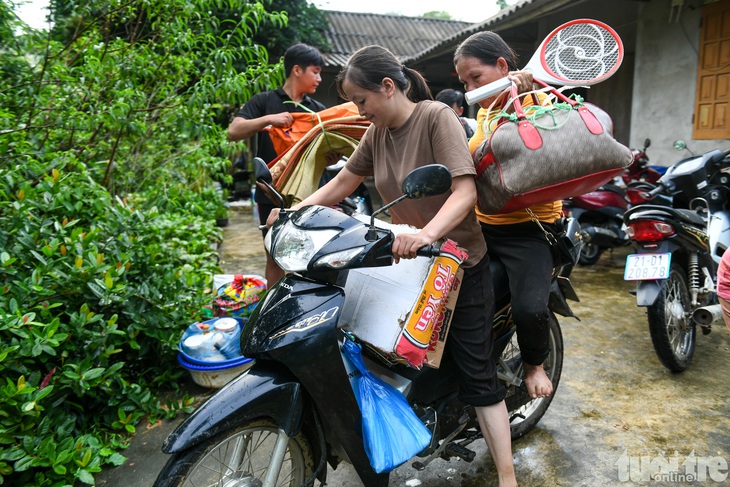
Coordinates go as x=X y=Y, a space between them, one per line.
x=215 y=375
x=202 y=347
x=221 y=359
x=227 y=337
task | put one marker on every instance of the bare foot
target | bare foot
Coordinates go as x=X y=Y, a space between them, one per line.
x=537 y=382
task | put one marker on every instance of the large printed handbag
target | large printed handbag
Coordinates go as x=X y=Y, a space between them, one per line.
x=541 y=154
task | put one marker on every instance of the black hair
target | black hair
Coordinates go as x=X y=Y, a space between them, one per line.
x=488 y=47
x=301 y=55
x=450 y=97
x=369 y=65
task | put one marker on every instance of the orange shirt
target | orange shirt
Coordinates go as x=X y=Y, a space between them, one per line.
x=548 y=212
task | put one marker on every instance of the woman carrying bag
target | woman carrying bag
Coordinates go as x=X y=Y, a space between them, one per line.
x=514 y=238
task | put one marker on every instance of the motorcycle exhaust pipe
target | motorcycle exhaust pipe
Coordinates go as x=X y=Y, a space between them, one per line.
x=707 y=315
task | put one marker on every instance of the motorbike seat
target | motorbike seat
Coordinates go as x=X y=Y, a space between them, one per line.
x=687 y=216
x=500 y=280
x=614 y=189
x=690 y=216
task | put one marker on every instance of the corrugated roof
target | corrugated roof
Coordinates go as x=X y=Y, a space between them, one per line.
x=403 y=36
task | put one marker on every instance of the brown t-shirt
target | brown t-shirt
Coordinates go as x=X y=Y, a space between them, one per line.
x=431 y=135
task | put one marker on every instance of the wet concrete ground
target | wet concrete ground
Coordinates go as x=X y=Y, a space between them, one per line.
x=616 y=406
x=615 y=403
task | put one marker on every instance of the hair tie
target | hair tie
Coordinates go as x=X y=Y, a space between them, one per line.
x=403 y=68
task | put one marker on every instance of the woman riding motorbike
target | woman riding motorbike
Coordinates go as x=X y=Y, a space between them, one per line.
x=398 y=102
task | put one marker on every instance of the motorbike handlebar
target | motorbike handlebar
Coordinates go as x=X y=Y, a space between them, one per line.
x=428 y=251
x=651 y=194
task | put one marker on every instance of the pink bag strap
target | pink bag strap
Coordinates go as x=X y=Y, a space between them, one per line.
x=528 y=133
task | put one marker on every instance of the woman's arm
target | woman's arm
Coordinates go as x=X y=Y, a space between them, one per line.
x=462 y=200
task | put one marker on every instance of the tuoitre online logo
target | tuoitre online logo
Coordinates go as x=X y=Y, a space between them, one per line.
x=675 y=468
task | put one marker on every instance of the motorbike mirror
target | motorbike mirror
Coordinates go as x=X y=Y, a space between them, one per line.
x=261 y=171
x=263 y=175
x=647 y=143
x=682 y=145
x=421 y=182
x=426 y=181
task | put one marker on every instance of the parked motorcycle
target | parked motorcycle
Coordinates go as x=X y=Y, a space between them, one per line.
x=677 y=251
x=601 y=212
x=294 y=411
x=639 y=169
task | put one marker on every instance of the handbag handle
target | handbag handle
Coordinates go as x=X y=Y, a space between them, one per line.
x=527 y=131
x=592 y=123
x=530 y=136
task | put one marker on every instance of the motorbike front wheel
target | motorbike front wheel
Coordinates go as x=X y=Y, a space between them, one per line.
x=525 y=412
x=239 y=457
x=671 y=327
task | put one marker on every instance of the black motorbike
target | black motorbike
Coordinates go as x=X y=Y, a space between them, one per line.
x=678 y=248
x=294 y=412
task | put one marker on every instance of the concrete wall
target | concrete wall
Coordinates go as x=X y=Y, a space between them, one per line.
x=665 y=79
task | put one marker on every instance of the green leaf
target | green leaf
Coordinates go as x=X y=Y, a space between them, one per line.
x=117 y=459
x=96 y=289
x=93 y=373
x=23 y=463
x=85 y=476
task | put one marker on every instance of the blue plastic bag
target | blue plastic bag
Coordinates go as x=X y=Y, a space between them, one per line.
x=392 y=433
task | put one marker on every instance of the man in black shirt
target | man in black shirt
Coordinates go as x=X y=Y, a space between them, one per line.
x=302 y=65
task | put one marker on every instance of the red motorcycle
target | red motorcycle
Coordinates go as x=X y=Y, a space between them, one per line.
x=639 y=170
x=601 y=212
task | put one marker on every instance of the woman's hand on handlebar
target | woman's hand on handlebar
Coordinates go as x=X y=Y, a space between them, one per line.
x=273 y=216
x=407 y=245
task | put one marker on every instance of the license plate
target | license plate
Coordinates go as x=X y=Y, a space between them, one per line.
x=645 y=267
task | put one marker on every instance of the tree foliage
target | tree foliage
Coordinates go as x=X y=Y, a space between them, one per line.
x=438 y=14
x=306 y=24
x=110 y=144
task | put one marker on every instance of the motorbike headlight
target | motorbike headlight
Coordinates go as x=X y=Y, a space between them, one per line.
x=294 y=247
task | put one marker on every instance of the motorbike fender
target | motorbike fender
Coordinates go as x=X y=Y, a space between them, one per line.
x=262 y=391
x=560 y=291
x=647 y=292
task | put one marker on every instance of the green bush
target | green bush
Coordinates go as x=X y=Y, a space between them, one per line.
x=110 y=146
x=94 y=299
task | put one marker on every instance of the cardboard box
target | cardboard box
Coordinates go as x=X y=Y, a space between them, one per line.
x=403 y=311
